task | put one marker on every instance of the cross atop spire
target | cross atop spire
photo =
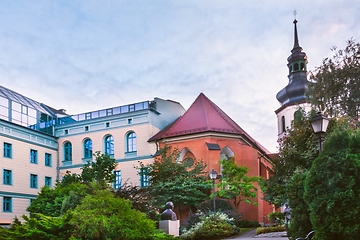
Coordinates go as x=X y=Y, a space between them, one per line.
x=295 y=14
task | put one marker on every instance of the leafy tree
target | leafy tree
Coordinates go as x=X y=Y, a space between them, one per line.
x=298 y=149
x=103 y=216
x=235 y=184
x=182 y=183
x=332 y=187
x=335 y=85
x=101 y=170
x=139 y=198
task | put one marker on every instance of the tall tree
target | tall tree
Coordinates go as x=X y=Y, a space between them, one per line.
x=334 y=86
x=332 y=187
x=182 y=182
x=235 y=184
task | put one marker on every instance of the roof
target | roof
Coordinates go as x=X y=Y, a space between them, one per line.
x=204 y=116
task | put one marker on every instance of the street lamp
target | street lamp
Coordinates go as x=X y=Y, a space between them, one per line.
x=213 y=175
x=319 y=124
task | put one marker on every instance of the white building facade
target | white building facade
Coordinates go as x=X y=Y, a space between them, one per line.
x=39 y=144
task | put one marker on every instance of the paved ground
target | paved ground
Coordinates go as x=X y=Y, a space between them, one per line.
x=252 y=236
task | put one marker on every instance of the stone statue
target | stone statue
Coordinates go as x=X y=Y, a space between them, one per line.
x=169 y=214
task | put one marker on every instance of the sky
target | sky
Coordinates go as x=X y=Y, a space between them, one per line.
x=85 y=55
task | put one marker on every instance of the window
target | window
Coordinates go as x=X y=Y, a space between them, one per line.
x=144 y=177
x=33 y=181
x=283 y=124
x=48 y=181
x=131 y=142
x=7 y=204
x=66 y=131
x=88 y=148
x=86 y=128
x=7 y=177
x=48 y=160
x=7 y=150
x=107 y=124
x=33 y=156
x=67 y=151
x=118 y=179
x=109 y=145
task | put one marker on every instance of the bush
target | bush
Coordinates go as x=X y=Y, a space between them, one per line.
x=207 y=228
x=262 y=230
x=247 y=224
x=221 y=205
x=332 y=187
x=277 y=218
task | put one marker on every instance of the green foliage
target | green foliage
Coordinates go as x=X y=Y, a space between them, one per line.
x=300 y=223
x=101 y=170
x=332 y=187
x=179 y=182
x=246 y=224
x=235 y=184
x=139 y=198
x=277 y=218
x=335 y=85
x=221 y=205
x=39 y=226
x=6 y=234
x=207 y=228
x=102 y=216
x=262 y=230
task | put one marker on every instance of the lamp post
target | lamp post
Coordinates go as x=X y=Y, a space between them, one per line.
x=213 y=175
x=319 y=125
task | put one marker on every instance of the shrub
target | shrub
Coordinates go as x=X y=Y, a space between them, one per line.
x=262 y=230
x=207 y=228
x=246 y=224
x=277 y=218
x=221 y=205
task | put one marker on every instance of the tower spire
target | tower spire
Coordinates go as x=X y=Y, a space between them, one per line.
x=296 y=39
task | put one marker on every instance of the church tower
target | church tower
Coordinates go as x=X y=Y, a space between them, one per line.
x=293 y=96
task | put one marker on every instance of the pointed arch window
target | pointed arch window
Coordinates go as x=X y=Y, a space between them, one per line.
x=109 y=145
x=131 y=142
x=88 y=148
x=67 y=151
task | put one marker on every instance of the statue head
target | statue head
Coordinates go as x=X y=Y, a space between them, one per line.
x=169 y=205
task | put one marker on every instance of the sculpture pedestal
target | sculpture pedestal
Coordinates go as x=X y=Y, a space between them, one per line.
x=170 y=227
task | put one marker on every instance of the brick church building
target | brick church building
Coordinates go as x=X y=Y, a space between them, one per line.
x=206 y=132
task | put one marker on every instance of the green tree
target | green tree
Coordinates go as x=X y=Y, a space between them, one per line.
x=298 y=149
x=103 y=216
x=184 y=183
x=332 y=187
x=101 y=170
x=334 y=86
x=235 y=184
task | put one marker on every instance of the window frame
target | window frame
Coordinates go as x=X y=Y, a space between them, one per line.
x=67 y=151
x=33 y=181
x=33 y=156
x=48 y=181
x=7 y=204
x=118 y=179
x=131 y=142
x=7 y=177
x=87 y=145
x=109 y=145
x=48 y=160
x=144 y=177
x=7 y=148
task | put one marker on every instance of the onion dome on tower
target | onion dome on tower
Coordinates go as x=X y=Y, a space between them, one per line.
x=295 y=91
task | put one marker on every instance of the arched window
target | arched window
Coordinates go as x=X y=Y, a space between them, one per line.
x=131 y=142
x=283 y=124
x=109 y=145
x=67 y=151
x=296 y=67
x=88 y=148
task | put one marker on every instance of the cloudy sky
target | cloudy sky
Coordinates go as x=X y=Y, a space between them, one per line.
x=84 y=55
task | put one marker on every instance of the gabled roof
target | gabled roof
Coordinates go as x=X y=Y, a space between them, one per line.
x=204 y=116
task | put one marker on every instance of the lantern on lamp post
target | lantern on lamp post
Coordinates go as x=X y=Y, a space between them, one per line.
x=319 y=124
x=213 y=175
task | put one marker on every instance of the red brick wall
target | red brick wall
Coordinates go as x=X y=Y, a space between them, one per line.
x=244 y=155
